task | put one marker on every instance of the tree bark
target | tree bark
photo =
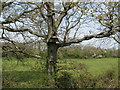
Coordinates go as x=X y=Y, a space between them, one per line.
x=51 y=62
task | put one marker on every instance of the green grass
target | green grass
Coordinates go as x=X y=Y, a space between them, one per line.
x=27 y=65
x=98 y=66
x=24 y=79
x=32 y=74
x=27 y=75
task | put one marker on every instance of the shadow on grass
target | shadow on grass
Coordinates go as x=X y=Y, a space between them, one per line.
x=26 y=79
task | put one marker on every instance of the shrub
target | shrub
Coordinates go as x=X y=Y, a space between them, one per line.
x=38 y=66
x=65 y=80
x=108 y=80
x=76 y=75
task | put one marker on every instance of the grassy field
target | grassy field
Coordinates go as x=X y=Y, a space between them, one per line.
x=98 y=66
x=30 y=73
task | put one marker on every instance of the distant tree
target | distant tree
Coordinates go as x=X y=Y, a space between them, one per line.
x=11 y=50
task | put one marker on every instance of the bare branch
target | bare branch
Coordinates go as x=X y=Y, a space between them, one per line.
x=100 y=35
x=22 y=30
x=7 y=21
x=117 y=40
x=4 y=4
x=67 y=7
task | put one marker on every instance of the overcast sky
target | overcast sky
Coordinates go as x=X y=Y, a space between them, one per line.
x=86 y=29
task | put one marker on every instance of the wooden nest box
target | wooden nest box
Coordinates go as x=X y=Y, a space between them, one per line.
x=53 y=39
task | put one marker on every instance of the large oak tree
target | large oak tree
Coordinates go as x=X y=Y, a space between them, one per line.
x=57 y=24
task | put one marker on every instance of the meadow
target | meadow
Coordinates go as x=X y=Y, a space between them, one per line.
x=72 y=73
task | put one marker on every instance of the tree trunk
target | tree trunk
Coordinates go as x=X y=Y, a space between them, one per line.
x=51 y=62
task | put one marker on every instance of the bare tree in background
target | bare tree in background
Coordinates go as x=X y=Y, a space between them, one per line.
x=57 y=24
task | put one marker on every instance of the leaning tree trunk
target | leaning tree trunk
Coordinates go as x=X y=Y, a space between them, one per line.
x=51 y=62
